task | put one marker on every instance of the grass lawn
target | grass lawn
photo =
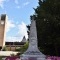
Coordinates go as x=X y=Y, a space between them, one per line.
x=1 y=57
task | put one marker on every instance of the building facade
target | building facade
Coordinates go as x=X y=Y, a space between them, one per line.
x=12 y=46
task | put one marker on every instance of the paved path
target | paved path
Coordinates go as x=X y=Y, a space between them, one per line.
x=7 y=53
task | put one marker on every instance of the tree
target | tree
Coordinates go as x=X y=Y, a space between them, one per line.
x=23 y=48
x=47 y=16
x=4 y=48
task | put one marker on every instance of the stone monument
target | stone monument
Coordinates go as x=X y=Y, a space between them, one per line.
x=33 y=52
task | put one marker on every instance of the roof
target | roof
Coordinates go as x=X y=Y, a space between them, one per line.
x=14 y=43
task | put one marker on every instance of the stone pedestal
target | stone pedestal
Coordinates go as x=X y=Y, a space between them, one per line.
x=32 y=57
x=33 y=52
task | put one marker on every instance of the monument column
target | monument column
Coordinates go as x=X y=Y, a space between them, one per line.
x=33 y=52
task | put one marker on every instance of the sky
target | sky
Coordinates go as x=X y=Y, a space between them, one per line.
x=18 y=12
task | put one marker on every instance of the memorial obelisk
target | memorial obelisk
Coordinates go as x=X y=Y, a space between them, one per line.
x=33 y=52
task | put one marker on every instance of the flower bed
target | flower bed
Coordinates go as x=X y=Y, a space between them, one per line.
x=53 y=58
x=11 y=58
x=18 y=58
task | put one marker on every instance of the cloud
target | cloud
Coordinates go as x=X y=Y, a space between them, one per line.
x=22 y=30
x=21 y=6
x=2 y=3
x=13 y=39
x=18 y=7
x=10 y=25
x=16 y=2
x=26 y=3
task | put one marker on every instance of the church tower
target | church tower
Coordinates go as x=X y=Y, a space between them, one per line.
x=3 y=19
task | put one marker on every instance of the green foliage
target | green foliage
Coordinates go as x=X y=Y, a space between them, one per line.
x=47 y=16
x=12 y=54
x=23 y=48
x=4 y=48
x=2 y=57
x=18 y=54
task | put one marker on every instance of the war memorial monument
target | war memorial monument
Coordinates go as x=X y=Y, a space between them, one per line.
x=33 y=52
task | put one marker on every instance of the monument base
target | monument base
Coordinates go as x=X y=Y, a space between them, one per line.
x=32 y=57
